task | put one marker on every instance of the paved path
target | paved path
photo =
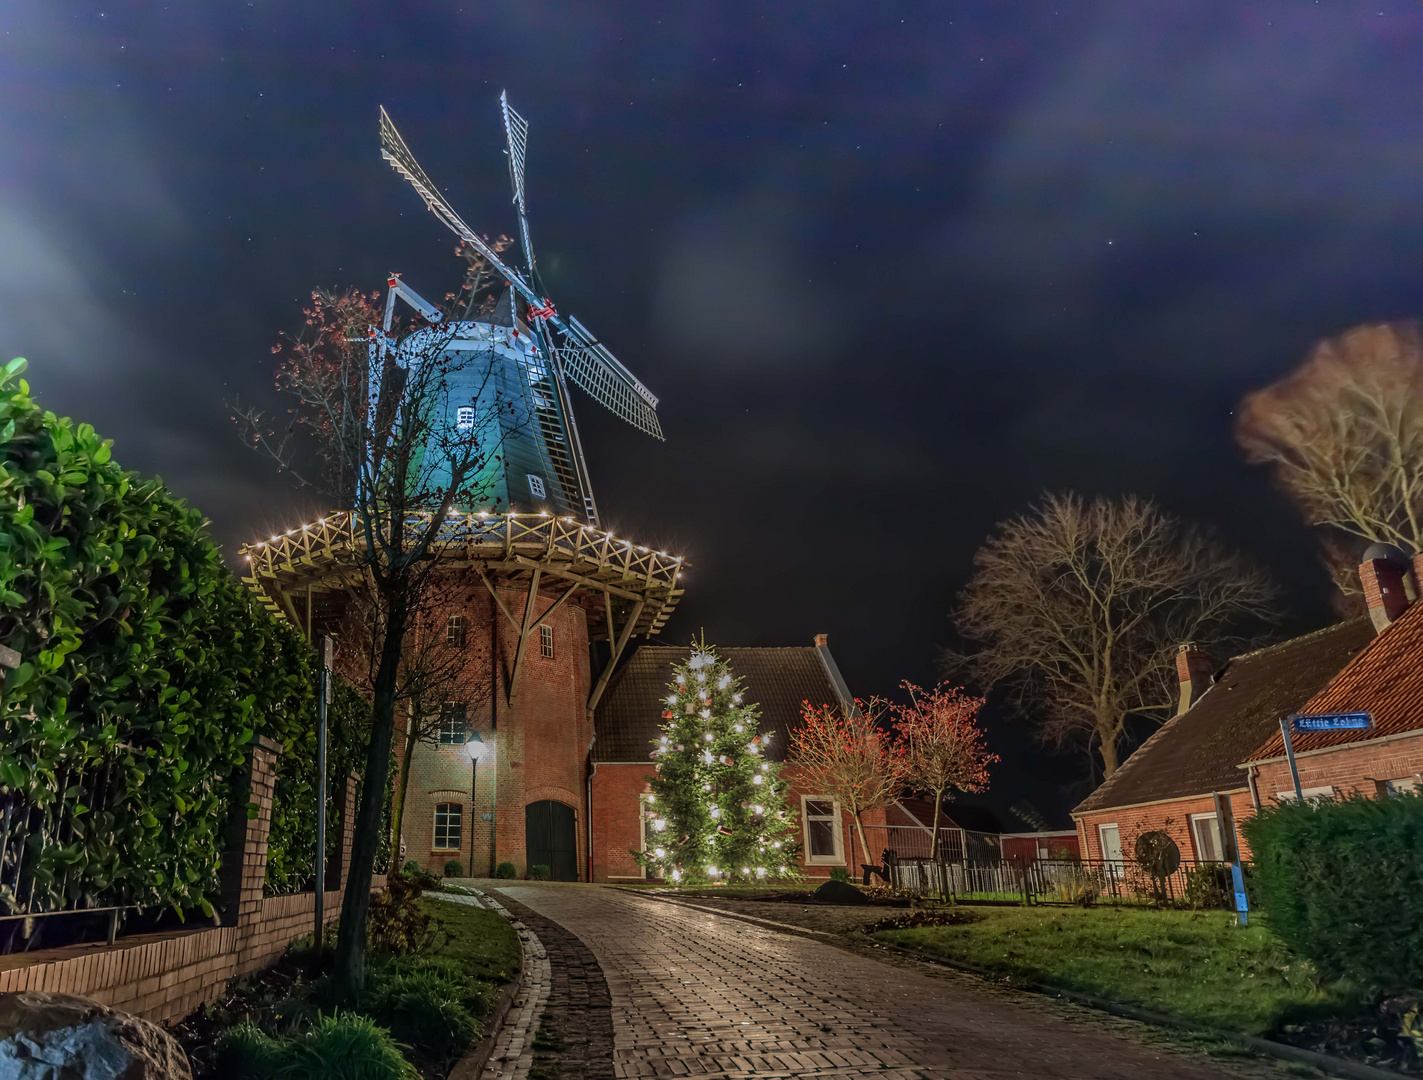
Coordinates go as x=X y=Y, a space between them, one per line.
x=698 y=994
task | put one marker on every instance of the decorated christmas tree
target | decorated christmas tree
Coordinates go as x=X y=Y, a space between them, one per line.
x=717 y=810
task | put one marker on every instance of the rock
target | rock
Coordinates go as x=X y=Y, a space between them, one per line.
x=839 y=892
x=62 y=1037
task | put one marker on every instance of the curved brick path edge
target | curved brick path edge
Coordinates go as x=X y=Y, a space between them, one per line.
x=693 y=993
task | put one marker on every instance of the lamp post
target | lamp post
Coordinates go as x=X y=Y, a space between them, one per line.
x=475 y=746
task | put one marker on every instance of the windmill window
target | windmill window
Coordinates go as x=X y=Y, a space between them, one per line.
x=449 y=822
x=536 y=486
x=546 y=641
x=454 y=631
x=464 y=417
x=454 y=725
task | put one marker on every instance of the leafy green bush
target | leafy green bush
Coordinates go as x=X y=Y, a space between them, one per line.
x=1209 y=886
x=395 y=923
x=345 y=1046
x=412 y=867
x=1343 y=885
x=427 y=1005
x=454 y=868
x=839 y=873
x=245 y=1052
x=540 y=872
x=506 y=870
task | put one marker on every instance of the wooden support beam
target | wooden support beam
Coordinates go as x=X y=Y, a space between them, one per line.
x=524 y=635
x=490 y=586
x=628 y=628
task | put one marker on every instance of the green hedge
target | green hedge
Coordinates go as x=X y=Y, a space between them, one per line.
x=1342 y=884
x=147 y=668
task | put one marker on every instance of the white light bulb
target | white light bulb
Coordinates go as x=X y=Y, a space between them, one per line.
x=777 y=845
x=723 y=682
x=661 y=853
x=671 y=699
x=758 y=809
x=676 y=875
x=746 y=869
x=706 y=714
x=659 y=825
x=736 y=699
x=701 y=678
x=716 y=812
x=712 y=870
x=706 y=787
x=651 y=799
x=758 y=779
x=760 y=871
x=709 y=736
x=707 y=758
x=765 y=768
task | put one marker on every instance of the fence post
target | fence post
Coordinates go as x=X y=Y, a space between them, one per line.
x=244 y=864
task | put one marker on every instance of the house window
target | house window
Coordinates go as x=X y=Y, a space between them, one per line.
x=536 y=486
x=824 y=845
x=546 y=641
x=1111 y=837
x=464 y=417
x=454 y=631
x=1311 y=794
x=449 y=820
x=1402 y=786
x=1205 y=834
x=454 y=725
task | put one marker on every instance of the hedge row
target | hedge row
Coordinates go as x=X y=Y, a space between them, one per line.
x=1342 y=884
x=146 y=670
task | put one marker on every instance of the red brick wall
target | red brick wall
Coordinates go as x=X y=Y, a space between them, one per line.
x=1360 y=767
x=534 y=747
x=1171 y=817
x=616 y=826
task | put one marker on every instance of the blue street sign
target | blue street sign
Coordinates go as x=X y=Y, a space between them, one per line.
x=1351 y=721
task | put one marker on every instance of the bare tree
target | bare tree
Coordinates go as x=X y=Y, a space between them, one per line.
x=375 y=410
x=1077 y=609
x=942 y=744
x=1343 y=434
x=844 y=754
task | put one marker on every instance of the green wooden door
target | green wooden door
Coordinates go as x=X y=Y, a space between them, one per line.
x=551 y=839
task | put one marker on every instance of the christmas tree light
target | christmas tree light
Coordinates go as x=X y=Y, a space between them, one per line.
x=714 y=790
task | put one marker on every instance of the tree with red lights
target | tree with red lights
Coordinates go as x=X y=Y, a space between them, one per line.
x=844 y=754
x=942 y=744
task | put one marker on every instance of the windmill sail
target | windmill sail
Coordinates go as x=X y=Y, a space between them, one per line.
x=516 y=131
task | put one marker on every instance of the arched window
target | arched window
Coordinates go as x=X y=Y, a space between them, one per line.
x=449 y=821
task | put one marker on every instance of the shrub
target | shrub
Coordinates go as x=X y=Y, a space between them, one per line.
x=506 y=870
x=540 y=872
x=427 y=1006
x=454 y=868
x=345 y=1046
x=412 y=867
x=395 y=923
x=245 y=1052
x=1343 y=885
x=1210 y=886
x=839 y=873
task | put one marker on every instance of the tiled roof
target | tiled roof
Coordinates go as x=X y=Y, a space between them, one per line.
x=1198 y=752
x=629 y=718
x=1385 y=680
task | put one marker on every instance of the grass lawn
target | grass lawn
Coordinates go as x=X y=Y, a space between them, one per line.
x=482 y=941
x=1196 y=965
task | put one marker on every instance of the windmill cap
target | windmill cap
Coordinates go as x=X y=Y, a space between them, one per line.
x=1387 y=552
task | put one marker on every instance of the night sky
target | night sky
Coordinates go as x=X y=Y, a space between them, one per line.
x=893 y=269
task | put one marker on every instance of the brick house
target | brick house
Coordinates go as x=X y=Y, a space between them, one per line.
x=1223 y=716
x=629 y=719
x=1384 y=680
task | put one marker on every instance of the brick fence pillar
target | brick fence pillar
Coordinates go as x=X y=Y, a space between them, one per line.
x=244 y=864
x=348 y=833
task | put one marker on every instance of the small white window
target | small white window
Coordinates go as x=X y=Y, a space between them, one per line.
x=536 y=486
x=824 y=844
x=454 y=724
x=464 y=417
x=1311 y=794
x=1402 y=786
x=454 y=631
x=1205 y=834
x=546 y=641
x=449 y=820
x=1111 y=842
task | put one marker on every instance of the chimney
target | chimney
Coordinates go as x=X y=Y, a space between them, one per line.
x=1193 y=669
x=1382 y=574
x=822 y=640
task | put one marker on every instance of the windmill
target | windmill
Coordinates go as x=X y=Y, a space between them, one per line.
x=539 y=351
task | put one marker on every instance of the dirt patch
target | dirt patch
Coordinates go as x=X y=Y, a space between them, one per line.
x=945 y=917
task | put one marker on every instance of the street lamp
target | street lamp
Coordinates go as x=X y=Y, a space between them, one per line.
x=475 y=745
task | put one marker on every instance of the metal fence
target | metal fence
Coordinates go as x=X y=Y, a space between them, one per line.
x=41 y=843
x=1194 y=883
x=916 y=842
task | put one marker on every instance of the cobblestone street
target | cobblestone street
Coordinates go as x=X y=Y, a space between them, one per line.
x=699 y=994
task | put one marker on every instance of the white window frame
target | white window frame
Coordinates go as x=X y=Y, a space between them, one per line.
x=1102 y=841
x=1311 y=794
x=455 y=631
x=837 y=823
x=1212 y=822
x=546 y=641
x=536 y=486
x=1401 y=785
x=464 y=417
x=456 y=715
x=435 y=826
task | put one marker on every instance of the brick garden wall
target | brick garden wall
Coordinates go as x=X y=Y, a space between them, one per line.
x=163 y=977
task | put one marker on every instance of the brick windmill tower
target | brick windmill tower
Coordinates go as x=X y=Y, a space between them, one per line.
x=553 y=599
